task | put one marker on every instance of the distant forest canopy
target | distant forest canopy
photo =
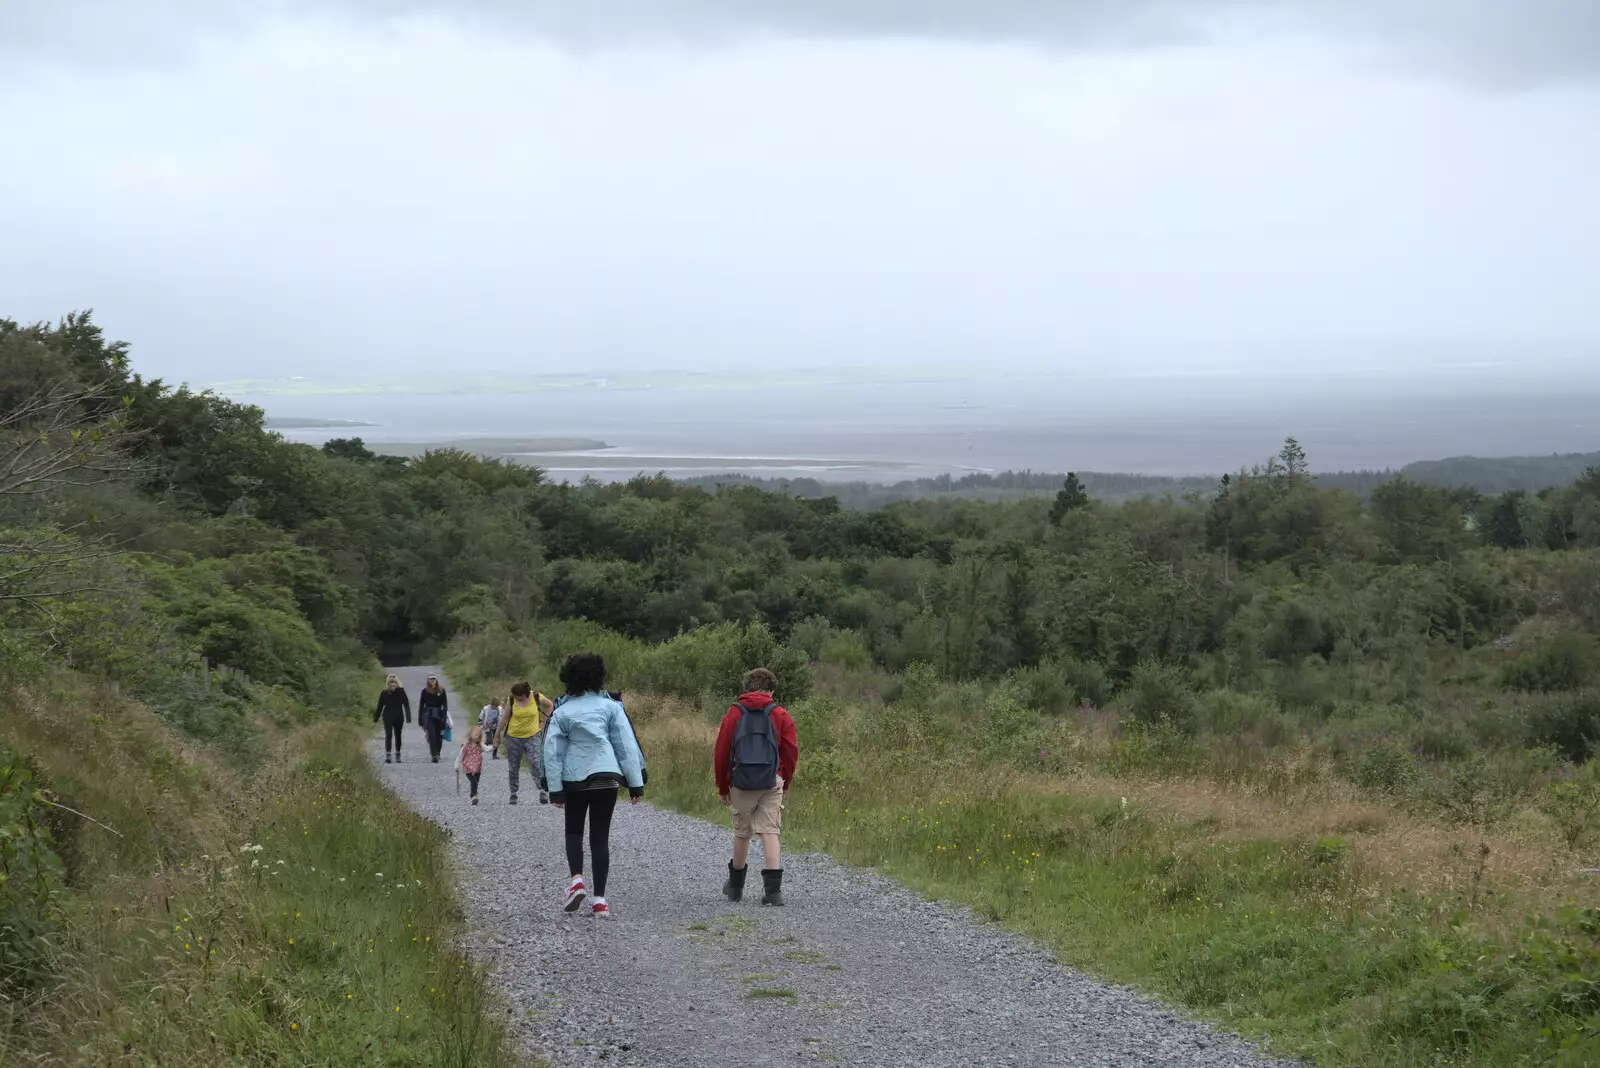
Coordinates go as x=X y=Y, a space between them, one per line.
x=1487 y=475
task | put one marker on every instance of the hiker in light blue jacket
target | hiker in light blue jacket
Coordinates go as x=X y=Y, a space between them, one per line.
x=589 y=754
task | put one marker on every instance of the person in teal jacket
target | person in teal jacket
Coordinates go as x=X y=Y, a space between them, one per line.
x=590 y=753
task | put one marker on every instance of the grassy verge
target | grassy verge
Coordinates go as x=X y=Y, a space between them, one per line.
x=1302 y=916
x=285 y=912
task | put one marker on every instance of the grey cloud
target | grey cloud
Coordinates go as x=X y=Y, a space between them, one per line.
x=1498 y=41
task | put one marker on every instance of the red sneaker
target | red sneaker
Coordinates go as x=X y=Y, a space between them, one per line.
x=575 y=895
x=602 y=911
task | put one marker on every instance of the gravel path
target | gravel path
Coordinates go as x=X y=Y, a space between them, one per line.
x=854 y=971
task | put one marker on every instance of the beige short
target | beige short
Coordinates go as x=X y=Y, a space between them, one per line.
x=756 y=811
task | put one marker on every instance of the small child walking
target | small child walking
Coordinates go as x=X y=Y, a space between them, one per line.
x=469 y=758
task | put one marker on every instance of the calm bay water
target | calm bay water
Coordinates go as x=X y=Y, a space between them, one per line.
x=1201 y=424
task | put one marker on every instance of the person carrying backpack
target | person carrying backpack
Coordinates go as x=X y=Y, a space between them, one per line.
x=522 y=733
x=644 y=770
x=489 y=720
x=433 y=713
x=755 y=757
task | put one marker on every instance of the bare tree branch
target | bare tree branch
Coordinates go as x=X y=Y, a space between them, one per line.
x=64 y=436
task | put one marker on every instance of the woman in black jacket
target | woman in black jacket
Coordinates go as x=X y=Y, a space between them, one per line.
x=433 y=713
x=394 y=708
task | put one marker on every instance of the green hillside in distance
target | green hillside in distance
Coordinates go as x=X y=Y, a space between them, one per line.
x=1491 y=475
x=1503 y=474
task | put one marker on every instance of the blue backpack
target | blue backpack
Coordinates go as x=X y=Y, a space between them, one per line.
x=755 y=749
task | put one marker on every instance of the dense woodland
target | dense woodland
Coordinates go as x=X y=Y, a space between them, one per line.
x=1437 y=645
x=125 y=494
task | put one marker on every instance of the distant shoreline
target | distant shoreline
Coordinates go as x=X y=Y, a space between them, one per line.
x=496 y=448
x=290 y=422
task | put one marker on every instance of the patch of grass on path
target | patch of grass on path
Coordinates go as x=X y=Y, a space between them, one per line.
x=779 y=994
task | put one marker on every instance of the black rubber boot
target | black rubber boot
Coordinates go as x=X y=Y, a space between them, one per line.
x=733 y=889
x=772 y=881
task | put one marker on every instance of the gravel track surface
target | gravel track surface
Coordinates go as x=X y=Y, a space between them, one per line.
x=855 y=970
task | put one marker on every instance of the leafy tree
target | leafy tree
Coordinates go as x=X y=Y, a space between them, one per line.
x=1292 y=458
x=1071 y=498
x=1504 y=522
x=1418 y=523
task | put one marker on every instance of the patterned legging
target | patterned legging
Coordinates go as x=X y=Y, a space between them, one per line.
x=516 y=749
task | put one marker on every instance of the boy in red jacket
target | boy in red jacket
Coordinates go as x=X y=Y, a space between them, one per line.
x=755 y=758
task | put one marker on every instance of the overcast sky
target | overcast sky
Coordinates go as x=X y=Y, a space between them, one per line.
x=295 y=186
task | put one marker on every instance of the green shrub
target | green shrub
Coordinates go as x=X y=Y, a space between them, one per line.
x=1005 y=721
x=1160 y=693
x=211 y=714
x=1493 y=724
x=1387 y=768
x=846 y=649
x=1573 y=804
x=1230 y=712
x=503 y=653
x=32 y=879
x=269 y=645
x=1304 y=687
x=1569 y=662
x=1477 y=790
x=1045 y=689
x=1087 y=678
x=623 y=656
x=1579 y=583
x=810 y=635
x=1441 y=741
x=919 y=685
x=826 y=768
x=1569 y=724
x=713 y=660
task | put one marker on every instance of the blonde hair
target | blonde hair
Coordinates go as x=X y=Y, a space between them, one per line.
x=475 y=736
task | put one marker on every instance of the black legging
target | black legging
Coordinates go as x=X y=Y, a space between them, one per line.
x=391 y=736
x=599 y=805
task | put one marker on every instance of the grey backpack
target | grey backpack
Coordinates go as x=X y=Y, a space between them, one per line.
x=755 y=749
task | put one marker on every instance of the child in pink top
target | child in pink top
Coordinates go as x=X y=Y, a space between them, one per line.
x=469 y=758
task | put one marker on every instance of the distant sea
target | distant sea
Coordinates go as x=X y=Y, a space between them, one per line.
x=1156 y=424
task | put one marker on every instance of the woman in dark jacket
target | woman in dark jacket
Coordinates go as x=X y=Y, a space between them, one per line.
x=433 y=713
x=394 y=708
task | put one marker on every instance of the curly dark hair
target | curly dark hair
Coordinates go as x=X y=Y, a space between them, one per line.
x=521 y=689
x=759 y=680
x=584 y=673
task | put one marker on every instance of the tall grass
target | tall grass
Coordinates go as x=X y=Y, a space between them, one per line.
x=1292 y=915
x=294 y=914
